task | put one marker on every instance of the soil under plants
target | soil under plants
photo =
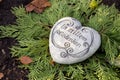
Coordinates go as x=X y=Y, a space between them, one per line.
x=6 y=16
x=9 y=64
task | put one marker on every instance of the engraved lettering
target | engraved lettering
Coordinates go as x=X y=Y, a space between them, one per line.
x=74 y=32
x=67 y=37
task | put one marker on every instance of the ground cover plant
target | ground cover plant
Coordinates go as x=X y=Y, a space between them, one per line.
x=9 y=69
x=32 y=33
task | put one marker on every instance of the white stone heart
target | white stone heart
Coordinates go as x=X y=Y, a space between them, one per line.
x=71 y=43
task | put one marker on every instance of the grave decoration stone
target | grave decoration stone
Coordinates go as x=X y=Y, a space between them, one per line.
x=70 y=42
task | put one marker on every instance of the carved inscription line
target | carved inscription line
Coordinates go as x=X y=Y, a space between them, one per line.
x=68 y=38
x=68 y=22
x=69 y=50
x=75 y=32
x=85 y=51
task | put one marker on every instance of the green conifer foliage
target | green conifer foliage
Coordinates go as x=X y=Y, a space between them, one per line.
x=32 y=32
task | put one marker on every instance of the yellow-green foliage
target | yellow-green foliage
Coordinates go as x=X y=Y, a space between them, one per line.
x=32 y=32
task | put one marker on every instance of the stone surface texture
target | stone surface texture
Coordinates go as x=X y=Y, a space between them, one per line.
x=70 y=42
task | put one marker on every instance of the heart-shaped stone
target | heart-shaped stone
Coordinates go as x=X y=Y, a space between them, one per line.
x=70 y=42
